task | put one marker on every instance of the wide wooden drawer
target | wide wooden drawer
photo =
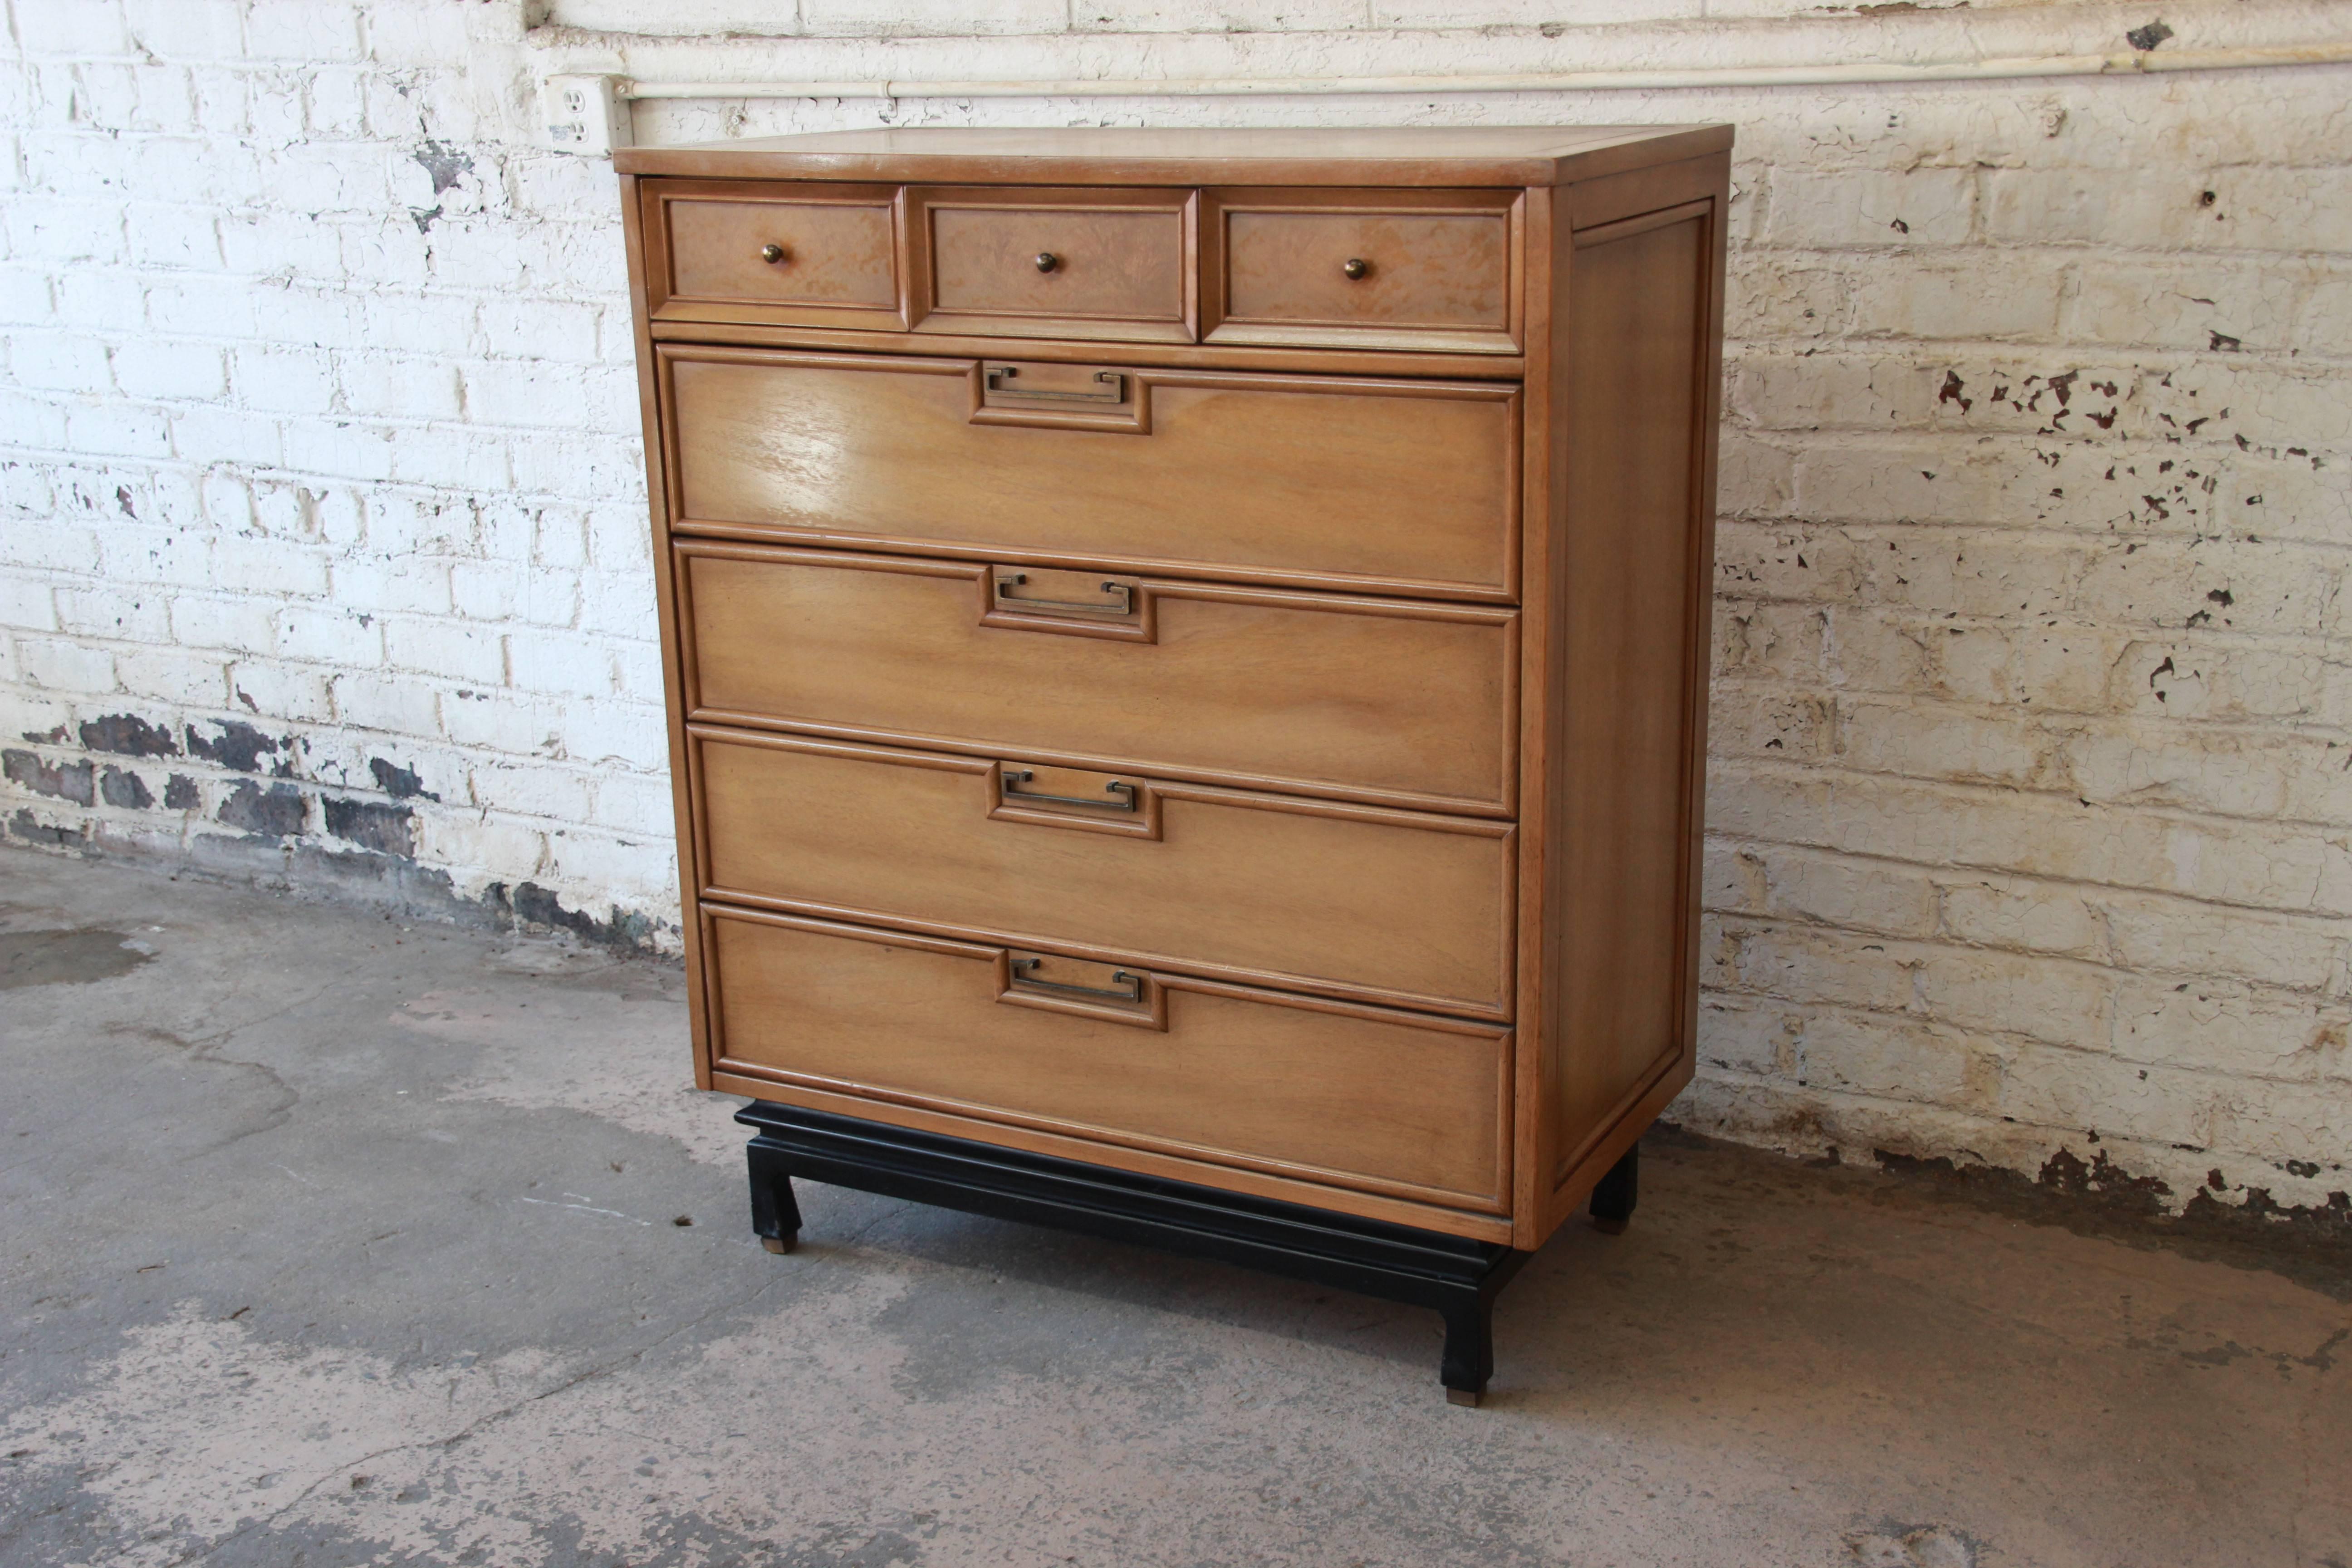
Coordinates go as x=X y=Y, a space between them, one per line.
x=818 y=254
x=1034 y=262
x=1386 y=906
x=1357 y=1096
x=1396 y=484
x=1401 y=270
x=1385 y=700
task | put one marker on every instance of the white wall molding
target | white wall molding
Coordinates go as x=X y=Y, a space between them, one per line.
x=2121 y=63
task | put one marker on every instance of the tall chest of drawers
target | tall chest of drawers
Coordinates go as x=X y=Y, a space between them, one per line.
x=1187 y=666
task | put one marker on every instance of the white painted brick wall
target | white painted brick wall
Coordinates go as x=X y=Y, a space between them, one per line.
x=2032 y=785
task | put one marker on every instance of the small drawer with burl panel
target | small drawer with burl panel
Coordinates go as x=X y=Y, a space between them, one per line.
x=1394 y=269
x=1018 y=261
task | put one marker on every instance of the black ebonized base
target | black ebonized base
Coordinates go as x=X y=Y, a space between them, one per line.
x=1459 y=1278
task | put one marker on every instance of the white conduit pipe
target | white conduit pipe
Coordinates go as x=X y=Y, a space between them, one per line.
x=2133 y=63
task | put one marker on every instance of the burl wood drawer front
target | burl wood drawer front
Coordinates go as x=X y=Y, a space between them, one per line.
x=1385 y=700
x=1318 y=480
x=1034 y=262
x=1359 y=1097
x=817 y=254
x=1403 y=269
x=1385 y=906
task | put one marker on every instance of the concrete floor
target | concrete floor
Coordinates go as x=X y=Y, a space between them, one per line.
x=330 y=1241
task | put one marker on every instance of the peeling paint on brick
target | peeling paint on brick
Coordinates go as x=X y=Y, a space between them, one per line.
x=386 y=830
x=276 y=812
x=401 y=783
x=62 y=780
x=533 y=905
x=127 y=790
x=31 y=830
x=128 y=735
x=238 y=745
x=2308 y=1242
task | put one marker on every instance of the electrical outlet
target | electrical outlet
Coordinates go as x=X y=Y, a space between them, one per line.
x=584 y=113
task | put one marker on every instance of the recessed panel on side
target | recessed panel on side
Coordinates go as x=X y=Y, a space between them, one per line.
x=1638 y=295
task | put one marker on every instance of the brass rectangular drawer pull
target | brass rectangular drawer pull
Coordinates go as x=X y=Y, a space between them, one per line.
x=1125 y=605
x=999 y=375
x=1126 y=792
x=1131 y=991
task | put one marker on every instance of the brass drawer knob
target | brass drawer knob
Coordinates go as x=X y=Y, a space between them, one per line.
x=771 y=253
x=1047 y=261
x=1355 y=267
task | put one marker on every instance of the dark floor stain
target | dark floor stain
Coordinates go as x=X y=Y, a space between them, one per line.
x=2309 y=1243
x=65 y=957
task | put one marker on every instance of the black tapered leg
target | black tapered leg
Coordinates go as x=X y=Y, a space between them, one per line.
x=1613 y=1199
x=1469 y=1358
x=775 y=1218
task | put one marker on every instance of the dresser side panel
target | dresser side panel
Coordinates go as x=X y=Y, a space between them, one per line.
x=1642 y=351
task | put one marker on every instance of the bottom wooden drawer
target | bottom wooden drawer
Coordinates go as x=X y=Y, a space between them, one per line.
x=1332 y=1092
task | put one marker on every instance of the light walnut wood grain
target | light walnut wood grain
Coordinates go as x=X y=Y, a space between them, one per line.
x=1393 y=907
x=1542 y=645
x=833 y=254
x=1637 y=348
x=1383 y=700
x=1639 y=192
x=1398 y=483
x=704 y=247
x=1352 y=361
x=1382 y=1101
x=1415 y=157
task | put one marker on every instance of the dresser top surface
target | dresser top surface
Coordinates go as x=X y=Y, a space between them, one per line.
x=1386 y=156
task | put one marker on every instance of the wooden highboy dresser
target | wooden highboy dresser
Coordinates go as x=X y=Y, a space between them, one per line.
x=1187 y=670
